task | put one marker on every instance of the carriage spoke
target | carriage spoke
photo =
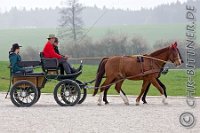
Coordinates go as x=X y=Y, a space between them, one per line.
x=30 y=98
x=64 y=93
x=22 y=99
x=26 y=100
x=33 y=95
x=23 y=94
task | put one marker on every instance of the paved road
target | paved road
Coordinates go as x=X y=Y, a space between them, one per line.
x=47 y=117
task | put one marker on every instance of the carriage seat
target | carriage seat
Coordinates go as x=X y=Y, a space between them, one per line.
x=49 y=65
x=51 y=68
x=30 y=65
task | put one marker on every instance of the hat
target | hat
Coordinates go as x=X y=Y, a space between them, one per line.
x=15 y=46
x=51 y=36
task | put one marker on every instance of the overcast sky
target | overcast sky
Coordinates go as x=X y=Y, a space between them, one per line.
x=5 y=5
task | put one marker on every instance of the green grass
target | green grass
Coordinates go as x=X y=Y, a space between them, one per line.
x=175 y=82
x=36 y=38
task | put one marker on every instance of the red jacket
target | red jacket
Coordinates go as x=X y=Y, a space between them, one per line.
x=49 y=51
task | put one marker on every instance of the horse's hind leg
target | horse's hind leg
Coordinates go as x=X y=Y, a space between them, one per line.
x=100 y=98
x=121 y=92
x=144 y=87
x=145 y=94
x=107 y=83
x=105 y=95
x=124 y=97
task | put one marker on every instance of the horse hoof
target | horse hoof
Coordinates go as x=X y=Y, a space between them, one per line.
x=127 y=103
x=164 y=100
x=137 y=104
x=99 y=104
x=165 y=103
x=144 y=101
x=106 y=103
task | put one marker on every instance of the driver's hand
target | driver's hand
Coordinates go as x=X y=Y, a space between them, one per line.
x=66 y=57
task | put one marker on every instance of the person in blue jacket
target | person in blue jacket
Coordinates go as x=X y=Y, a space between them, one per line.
x=15 y=58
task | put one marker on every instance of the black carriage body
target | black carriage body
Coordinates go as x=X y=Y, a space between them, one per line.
x=37 y=81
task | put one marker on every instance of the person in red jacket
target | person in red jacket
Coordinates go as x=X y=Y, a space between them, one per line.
x=49 y=52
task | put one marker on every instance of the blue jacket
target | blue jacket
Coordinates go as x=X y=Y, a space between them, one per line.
x=14 y=60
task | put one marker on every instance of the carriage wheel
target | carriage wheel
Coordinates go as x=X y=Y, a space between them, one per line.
x=39 y=94
x=67 y=93
x=83 y=92
x=24 y=94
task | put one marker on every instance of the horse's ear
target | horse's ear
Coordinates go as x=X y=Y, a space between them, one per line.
x=174 y=46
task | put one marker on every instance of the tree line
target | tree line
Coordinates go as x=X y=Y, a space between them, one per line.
x=75 y=44
x=47 y=18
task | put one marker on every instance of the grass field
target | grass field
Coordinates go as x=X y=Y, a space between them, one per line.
x=37 y=37
x=175 y=82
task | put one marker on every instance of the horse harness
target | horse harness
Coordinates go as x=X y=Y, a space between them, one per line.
x=140 y=59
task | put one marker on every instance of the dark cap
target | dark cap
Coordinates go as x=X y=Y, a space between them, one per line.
x=15 y=46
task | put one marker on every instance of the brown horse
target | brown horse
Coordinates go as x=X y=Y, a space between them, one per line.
x=119 y=68
x=144 y=95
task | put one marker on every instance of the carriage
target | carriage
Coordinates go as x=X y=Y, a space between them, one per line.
x=25 y=89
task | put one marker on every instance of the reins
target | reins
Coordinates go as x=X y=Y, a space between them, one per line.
x=149 y=57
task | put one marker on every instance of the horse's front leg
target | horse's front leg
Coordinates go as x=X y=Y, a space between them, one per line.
x=163 y=86
x=144 y=87
x=157 y=85
x=146 y=91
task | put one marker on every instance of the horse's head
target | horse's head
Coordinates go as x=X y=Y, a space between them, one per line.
x=174 y=55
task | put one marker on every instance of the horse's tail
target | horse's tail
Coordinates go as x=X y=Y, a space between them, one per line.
x=100 y=74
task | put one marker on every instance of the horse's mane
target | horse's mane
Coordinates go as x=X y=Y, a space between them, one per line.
x=158 y=51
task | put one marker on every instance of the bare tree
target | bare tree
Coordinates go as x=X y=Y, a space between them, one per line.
x=139 y=45
x=71 y=24
x=30 y=53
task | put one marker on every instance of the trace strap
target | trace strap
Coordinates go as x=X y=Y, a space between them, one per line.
x=95 y=58
x=130 y=77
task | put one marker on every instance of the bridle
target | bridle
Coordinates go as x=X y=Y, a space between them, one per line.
x=178 y=58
